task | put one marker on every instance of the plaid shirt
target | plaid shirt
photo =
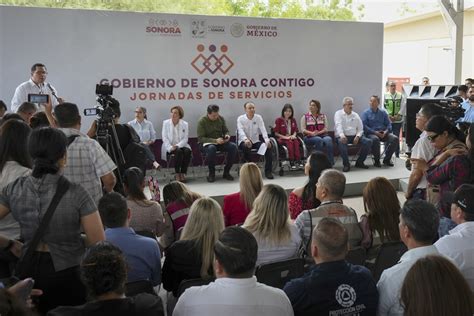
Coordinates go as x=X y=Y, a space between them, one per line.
x=87 y=161
x=28 y=199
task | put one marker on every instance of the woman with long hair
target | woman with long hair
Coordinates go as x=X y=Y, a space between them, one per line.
x=175 y=142
x=269 y=221
x=146 y=215
x=192 y=256
x=238 y=205
x=304 y=198
x=452 y=166
x=315 y=127
x=380 y=221
x=55 y=261
x=285 y=131
x=178 y=200
x=15 y=162
x=104 y=273
x=444 y=290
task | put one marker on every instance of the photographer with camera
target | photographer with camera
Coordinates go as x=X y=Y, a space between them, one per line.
x=35 y=87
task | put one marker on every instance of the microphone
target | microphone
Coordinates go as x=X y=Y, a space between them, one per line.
x=52 y=91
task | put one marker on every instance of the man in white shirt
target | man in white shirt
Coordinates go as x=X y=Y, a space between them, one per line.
x=36 y=85
x=418 y=227
x=249 y=128
x=458 y=244
x=235 y=291
x=349 y=130
x=422 y=152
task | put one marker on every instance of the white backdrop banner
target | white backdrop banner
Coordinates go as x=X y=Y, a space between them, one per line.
x=162 y=60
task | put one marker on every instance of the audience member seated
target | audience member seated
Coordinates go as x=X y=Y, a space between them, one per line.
x=146 y=132
x=419 y=221
x=378 y=128
x=380 y=221
x=192 y=256
x=315 y=127
x=26 y=111
x=238 y=205
x=236 y=290
x=249 y=128
x=39 y=119
x=104 y=273
x=55 y=261
x=286 y=130
x=438 y=276
x=422 y=152
x=329 y=190
x=450 y=168
x=269 y=221
x=213 y=135
x=88 y=164
x=15 y=162
x=333 y=285
x=177 y=199
x=349 y=130
x=304 y=198
x=175 y=141
x=142 y=253
x=10 y=116
x=146 y=215
x=458 y=244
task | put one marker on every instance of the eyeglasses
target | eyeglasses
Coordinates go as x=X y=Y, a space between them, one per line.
x=138 y=112
x=432 y=138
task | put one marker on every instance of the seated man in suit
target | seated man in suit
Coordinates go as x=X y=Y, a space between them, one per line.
x=213 y=135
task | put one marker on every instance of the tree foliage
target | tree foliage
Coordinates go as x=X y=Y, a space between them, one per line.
x=306 y=9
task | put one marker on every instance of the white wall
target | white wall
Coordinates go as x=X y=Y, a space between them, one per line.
x=81 y=47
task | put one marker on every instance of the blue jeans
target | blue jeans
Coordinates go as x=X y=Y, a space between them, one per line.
x=210 y=150
x=318 y=142
x=365 y=143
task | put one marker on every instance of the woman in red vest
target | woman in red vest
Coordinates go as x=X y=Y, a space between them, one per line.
x=285 y=131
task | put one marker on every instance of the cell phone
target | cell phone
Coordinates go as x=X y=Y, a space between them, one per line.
x=90 y=112
x=24 y=292
x=38 y=98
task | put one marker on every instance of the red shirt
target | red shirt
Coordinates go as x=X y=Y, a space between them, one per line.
x=235 y=212
x=281 y=127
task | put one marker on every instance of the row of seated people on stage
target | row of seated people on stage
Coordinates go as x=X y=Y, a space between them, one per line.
x=37 y=163
x=195 y=243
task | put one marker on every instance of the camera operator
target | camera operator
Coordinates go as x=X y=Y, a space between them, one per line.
x=87 y=162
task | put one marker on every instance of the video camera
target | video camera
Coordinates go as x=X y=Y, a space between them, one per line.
x=104 y=99
x=451 y=108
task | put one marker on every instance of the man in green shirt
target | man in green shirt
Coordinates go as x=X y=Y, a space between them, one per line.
x=213 y=135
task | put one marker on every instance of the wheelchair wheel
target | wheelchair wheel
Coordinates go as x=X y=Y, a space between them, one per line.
x=275 y=155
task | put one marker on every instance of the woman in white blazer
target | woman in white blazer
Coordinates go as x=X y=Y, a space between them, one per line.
x=175 y=141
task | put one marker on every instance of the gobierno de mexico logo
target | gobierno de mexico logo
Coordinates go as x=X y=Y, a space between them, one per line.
x=212 y=61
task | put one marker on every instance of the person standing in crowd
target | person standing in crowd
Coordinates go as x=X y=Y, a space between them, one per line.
x=175 y=141
x=238 y=205
x=320 y=291
x=378 y=128
x=419 y=221
x=445 y=291
x=304 y=198
x=286 y=131
x=425 y=81
x=462 y=92
x=249 y=127
x=213 y=135
x=350 y=130
x=87 y=162
x=236 y=290
x=422 y=152
x=55 y=262
x=35 y=85
x=146 y=132
x=395 y=106
x=458 y=244
x=315 y=127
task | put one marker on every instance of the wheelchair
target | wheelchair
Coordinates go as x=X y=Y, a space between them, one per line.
x=281 y=159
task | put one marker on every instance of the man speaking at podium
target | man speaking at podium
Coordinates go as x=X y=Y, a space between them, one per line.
x=36 y=85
